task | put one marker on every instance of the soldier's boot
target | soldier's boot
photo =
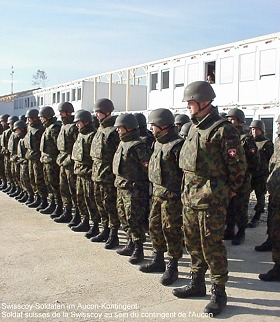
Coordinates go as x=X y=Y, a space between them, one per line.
x=12 y=189
x=254 y=221
x=171 y=273
x=24 y=198
x=8 y=187
x=35 y=203
x=229 y=233
x=265 y=246
x=66 y=216
x=46 y=208
x=3 y=185
x=113 y=239
x=239 y=237
x=128 y=249
x=17 y=192
x=20 y=194
x=57 y=211
x=218 y=300
x=271 y=276
x=138 y=253
x=83 y=225
x=196 y=287
x=29 y=200
x=76 y=219
x=93 y=231
x=157 y=264
x=102 y=236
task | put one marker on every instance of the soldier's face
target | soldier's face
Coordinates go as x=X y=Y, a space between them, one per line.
x=121 y=130
x=233 y=120
x=30 y=120
x=256 y=131
x=80 y=124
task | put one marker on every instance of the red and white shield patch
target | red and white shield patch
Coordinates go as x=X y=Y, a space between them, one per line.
x=253 y=150
x=232 y=152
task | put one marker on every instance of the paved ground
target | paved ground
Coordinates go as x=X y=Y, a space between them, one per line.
x=49 y=273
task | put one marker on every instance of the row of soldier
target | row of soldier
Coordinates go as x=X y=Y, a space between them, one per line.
x=103 y=171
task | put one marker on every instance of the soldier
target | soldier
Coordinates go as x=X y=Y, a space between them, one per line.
x=82 y=169
x=165 y=221
x=103 y=148
x=213 y=162
x=49 y=153
x=273 y=187
x=185 y=130
x=67 y=179
x=20 y=128
x=145 y=134
x=33 y=136
x=180 y=120
x=259 y=175
x=4 y=127
x=237 y=212
x=130 y=166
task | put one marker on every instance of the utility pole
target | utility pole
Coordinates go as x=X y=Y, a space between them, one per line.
x=12 y=80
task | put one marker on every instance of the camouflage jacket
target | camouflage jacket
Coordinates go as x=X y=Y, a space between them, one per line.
x=273 y=180
x=21 y=151
x=12 y=146
x=130 y=163
x=48 y=145
x=4 y=141
x=104 y=145
x=65 y=141
x=164 y=171
x=147 y=136
x=81 y=151
x=32 y=141
x=213 y=161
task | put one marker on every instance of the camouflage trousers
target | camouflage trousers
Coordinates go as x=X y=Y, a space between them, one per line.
x=274 y=226
x=15 y=171
x=2 y=168
x=24 y=178
x=85 y=199
x=204 y=230
x=36 y=177
x=67 y=182
x=106 y=198
x=237 y=211
x=259 y=186
x=131 y=205
x=165 y=225
x=51 y=175
x=8 y=170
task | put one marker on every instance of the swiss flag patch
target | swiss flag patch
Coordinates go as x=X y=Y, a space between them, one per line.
x=232 y=152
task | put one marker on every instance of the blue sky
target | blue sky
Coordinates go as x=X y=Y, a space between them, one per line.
x=71 y=39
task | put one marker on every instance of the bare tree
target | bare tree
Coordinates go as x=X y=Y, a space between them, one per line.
x=40 y=78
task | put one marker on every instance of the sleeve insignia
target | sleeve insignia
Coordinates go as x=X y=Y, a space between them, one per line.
x=232 y=152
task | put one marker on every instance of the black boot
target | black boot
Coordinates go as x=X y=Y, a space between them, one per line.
x=171 y=274
x=265 y=246
x=128 y=249
x=46 y=208
x=239 y=237
x=35 y=203
x=103 y=236
x=271 y=276
x=16 y=193
x=196 y=288
x=254 y=221
x=11 y=190
x=83 y=225
x=57 y=211
x=20 y=195
x=3 y=185
x=24 y=198
x=76 y=219
x=8 y=187
x=113 y=239
x=138 y=253
x=65 y=217
x=29 y=200
x=218 y=300
x=229 y=232
x=94 y=231
x=157 y=264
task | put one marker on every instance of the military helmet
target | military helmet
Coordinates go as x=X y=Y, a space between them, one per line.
x=185 y=129
x=259 y=124
x=22 y=118
x=161 y=116
x=181 y=119
x=127 y=120
x=104 y=105
x=236 y=112
x=4 y=117
x=33 y=113
x=66 y=107
x=12 y=119
x=47 y=112
x=83 y=116
x=199 y=91
x=141 y=119
x=20 y=124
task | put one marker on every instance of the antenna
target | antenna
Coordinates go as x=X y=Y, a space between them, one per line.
x=12 y=80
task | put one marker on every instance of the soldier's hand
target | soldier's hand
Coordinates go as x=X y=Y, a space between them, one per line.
x=231 y=194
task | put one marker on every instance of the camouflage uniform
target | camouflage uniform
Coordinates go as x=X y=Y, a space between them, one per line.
x=165 y=221
x=67 y=179
x=103 y=148
x=6 y=154
x=82 y=169
x=12 y=147
x=213 y=162
x=130 y=165
x=2 y=168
